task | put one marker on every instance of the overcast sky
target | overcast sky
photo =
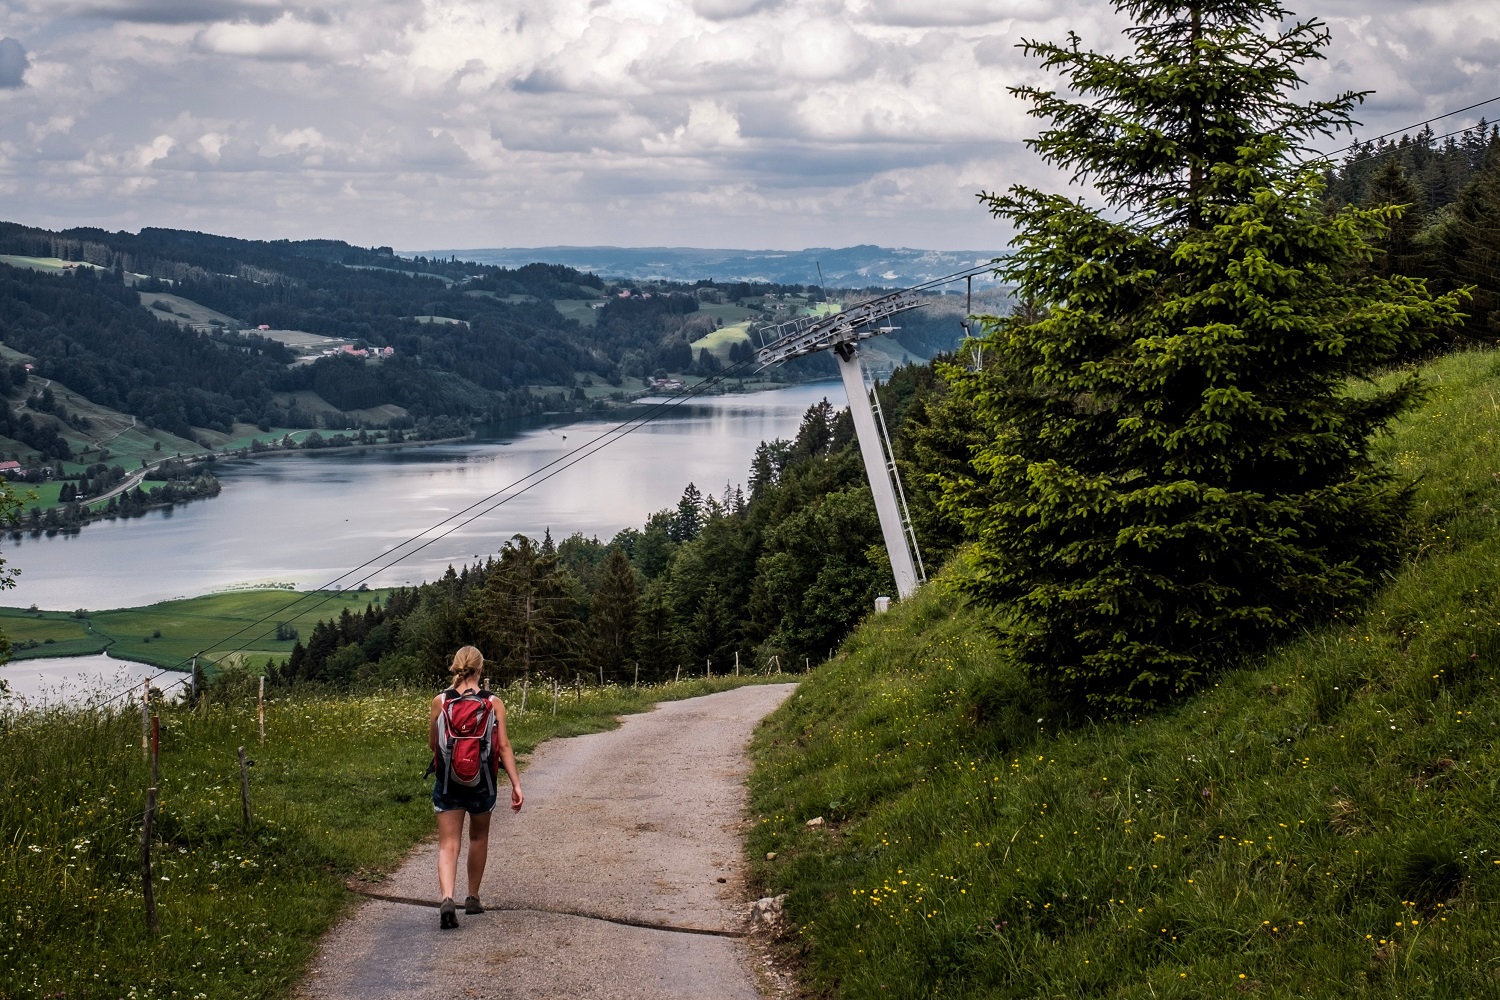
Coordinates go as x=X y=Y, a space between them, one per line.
x=720 y=123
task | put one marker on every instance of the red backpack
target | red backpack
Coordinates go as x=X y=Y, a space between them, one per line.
x=466 y=741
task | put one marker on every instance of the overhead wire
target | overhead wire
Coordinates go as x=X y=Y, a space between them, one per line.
x=1407 y=128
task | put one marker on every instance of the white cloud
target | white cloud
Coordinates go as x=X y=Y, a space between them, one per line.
x=752 y=122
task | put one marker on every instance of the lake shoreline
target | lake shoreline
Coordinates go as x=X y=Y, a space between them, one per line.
x=303 y=523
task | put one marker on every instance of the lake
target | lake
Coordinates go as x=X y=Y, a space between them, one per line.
x=307 y=519
x=66 y=678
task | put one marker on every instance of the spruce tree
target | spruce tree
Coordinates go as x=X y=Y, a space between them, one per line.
x=1468 y=241
x=525 y=611
x=612 y=615
x=655 y=638
x=1397 y=248
x=1176 y=461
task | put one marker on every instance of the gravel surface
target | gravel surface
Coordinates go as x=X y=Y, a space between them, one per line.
x=642 y=824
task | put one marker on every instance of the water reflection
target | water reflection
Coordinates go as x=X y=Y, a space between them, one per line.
x=75 y=679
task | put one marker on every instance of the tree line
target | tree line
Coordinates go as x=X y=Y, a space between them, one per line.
x=777 y=571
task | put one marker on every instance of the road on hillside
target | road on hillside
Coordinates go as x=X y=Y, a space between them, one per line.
x=622 y=879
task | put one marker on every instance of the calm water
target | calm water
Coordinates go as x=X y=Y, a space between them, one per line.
x=69 y=678
x=308 y=519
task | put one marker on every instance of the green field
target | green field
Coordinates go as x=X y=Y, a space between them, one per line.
x=1322 y=822
x=581 y=310
x=48 y=633
x=185 y=311
x=728 y=312
x=52 y=265
x=721 y=340
x=170 y=634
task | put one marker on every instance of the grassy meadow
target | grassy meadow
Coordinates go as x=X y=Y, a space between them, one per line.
x=1324 y=821
x=169 y=634
x=721 y=340
x=336 y=792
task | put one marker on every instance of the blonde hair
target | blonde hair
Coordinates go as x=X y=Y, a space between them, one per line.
x=468 y=663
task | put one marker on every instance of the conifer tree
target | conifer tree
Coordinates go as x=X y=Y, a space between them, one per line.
x=1397 y=248
x=524 y=607
x=1468 y=242
x=612 y=615
x=656 y=645
x=1174 y=466
x=711 y=632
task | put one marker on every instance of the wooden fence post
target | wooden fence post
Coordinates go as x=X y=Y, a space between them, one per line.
x=245 y=789
x=554 y=697
x=577 y=689
x=637 y=682
x=261 y=708
x=708 y=667
x=736 y=663
x=148 y=893
x=155 y=751
x=678 y=678
x=525 y=683
x=145 y=718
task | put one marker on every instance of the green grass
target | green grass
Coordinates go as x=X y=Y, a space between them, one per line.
x=1322 y=822
x=185 y=311
x=36 y=634
x=728 y=312
x=581 y=310
x=721 y=340
x=204 y=624
x=336 y=791
x=170 y=633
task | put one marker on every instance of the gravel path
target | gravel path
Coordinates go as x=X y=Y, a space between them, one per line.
x=640 y=825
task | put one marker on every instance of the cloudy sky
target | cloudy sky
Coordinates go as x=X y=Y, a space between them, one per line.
x=721 y=123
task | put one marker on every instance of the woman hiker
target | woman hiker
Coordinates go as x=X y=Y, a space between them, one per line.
x=466 y=730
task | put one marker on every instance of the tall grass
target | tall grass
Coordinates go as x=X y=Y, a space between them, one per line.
x=1322 y=822
x=336 y=791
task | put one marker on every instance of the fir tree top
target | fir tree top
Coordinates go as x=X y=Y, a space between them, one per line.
x=1145 y=128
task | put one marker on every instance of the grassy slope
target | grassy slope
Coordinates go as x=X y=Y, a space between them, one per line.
x=336 y=791
x=212 y=624
x=1322 y=823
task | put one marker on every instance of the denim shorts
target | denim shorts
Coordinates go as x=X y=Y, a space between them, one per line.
x=474 y=801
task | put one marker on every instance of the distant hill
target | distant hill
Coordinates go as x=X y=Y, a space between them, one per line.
x=169 y=339
x=849 y=267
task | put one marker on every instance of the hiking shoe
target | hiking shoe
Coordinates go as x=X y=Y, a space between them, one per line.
x=447 y=915
x=473 y=905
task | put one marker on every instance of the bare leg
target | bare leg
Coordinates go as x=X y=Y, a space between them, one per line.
x=450 y=829
x=479 y=849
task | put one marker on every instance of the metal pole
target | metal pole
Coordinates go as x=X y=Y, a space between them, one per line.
x=881 y=488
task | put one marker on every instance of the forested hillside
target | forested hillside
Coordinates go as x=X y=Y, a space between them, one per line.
x=191 y=333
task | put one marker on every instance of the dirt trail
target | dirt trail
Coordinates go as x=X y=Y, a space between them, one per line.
x=640 y=825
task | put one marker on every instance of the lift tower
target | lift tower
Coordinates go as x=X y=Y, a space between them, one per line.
x=841 y=333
